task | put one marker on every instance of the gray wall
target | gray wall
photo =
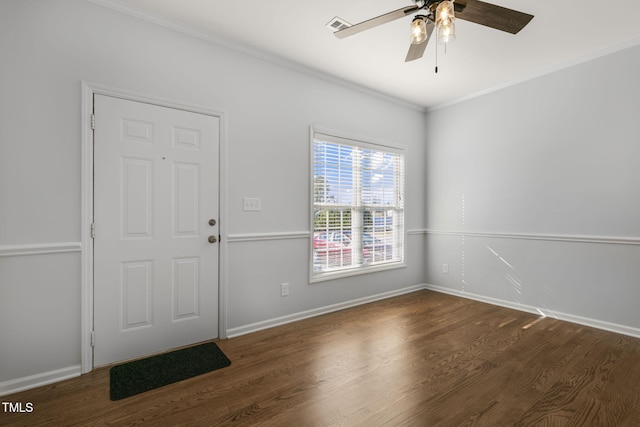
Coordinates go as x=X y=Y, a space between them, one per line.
x=47 y=48
x=534 y=194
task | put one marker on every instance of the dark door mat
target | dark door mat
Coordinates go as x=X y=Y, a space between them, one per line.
x=143 y=375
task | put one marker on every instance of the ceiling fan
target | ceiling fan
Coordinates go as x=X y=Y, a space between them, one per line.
x=441 y=14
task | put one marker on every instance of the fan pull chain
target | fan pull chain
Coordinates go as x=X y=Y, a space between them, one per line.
x=436 y=58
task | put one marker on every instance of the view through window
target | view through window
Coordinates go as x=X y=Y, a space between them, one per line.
x=358 y=206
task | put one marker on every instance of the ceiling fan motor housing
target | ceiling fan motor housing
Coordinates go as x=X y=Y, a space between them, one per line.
x=431 y=5
x=425 y=4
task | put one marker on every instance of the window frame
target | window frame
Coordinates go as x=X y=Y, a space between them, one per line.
x=342 y=138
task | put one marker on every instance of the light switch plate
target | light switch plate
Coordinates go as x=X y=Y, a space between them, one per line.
x=252 y=204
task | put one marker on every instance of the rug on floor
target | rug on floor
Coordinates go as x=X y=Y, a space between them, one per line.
x=142 y=375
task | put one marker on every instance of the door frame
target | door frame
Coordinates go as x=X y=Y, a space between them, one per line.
x=86 y=280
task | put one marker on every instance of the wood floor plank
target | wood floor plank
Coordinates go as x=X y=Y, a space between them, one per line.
x=421 y=359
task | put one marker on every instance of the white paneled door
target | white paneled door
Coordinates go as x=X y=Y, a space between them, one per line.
x=156 y=254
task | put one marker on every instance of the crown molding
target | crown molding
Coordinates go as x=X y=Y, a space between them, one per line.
x=253 y=52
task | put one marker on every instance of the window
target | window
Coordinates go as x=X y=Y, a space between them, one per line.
x=358 y=206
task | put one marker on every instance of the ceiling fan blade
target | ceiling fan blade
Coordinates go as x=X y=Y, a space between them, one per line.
x=494 y=16
x=374 y=22
x=417 y=50
x=459 y=5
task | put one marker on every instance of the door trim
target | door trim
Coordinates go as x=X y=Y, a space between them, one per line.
x=86 y=279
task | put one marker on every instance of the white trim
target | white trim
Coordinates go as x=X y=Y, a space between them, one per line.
x=39 y=249
x=356 y=271
x=38 y=380
x=253 y=237
x=416 y=231
x=283 y=320
x=262 y=55
x=288 y=235
x=542 y=72
x=86 y=218
x=253 y=52
x=585 y=321
x=100 y=89
x=341 y=137
x=610 y=240
x=88 y=90
x=223 y=206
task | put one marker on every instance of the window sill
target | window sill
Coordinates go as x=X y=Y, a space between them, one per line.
x=359 y=271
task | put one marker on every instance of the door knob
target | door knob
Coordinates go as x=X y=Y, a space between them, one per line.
x=212 y=239
x=212 y=222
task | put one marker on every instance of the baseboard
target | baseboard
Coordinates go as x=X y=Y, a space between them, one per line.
x=265 y=324
x=585 y=321
x=37 y=380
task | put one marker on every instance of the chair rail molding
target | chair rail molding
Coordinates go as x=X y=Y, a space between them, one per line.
x=283 y=235
x=610 y=240
x=39 y=249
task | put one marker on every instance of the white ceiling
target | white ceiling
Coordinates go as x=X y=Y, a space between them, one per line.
x=563 y=32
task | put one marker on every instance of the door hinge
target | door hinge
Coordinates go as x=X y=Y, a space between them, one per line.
x=93 y=121
x=93 y=338
x=93 y=230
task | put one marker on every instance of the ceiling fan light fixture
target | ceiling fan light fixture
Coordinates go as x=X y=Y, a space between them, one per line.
x=445 y=14
x=447 y=34
x=418 y=30
x=444 y=22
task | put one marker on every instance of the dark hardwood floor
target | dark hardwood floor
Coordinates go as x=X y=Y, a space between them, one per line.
x=422 y=359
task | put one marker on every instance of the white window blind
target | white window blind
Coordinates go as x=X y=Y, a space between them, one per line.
x=358 y=206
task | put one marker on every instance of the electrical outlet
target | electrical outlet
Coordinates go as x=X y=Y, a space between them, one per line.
x=252 y=204
x=445 y=268
x=284 y=290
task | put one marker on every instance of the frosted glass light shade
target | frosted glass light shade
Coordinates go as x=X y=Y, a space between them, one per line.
x=418 y=30
x=444 y=14
x=447 y=34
